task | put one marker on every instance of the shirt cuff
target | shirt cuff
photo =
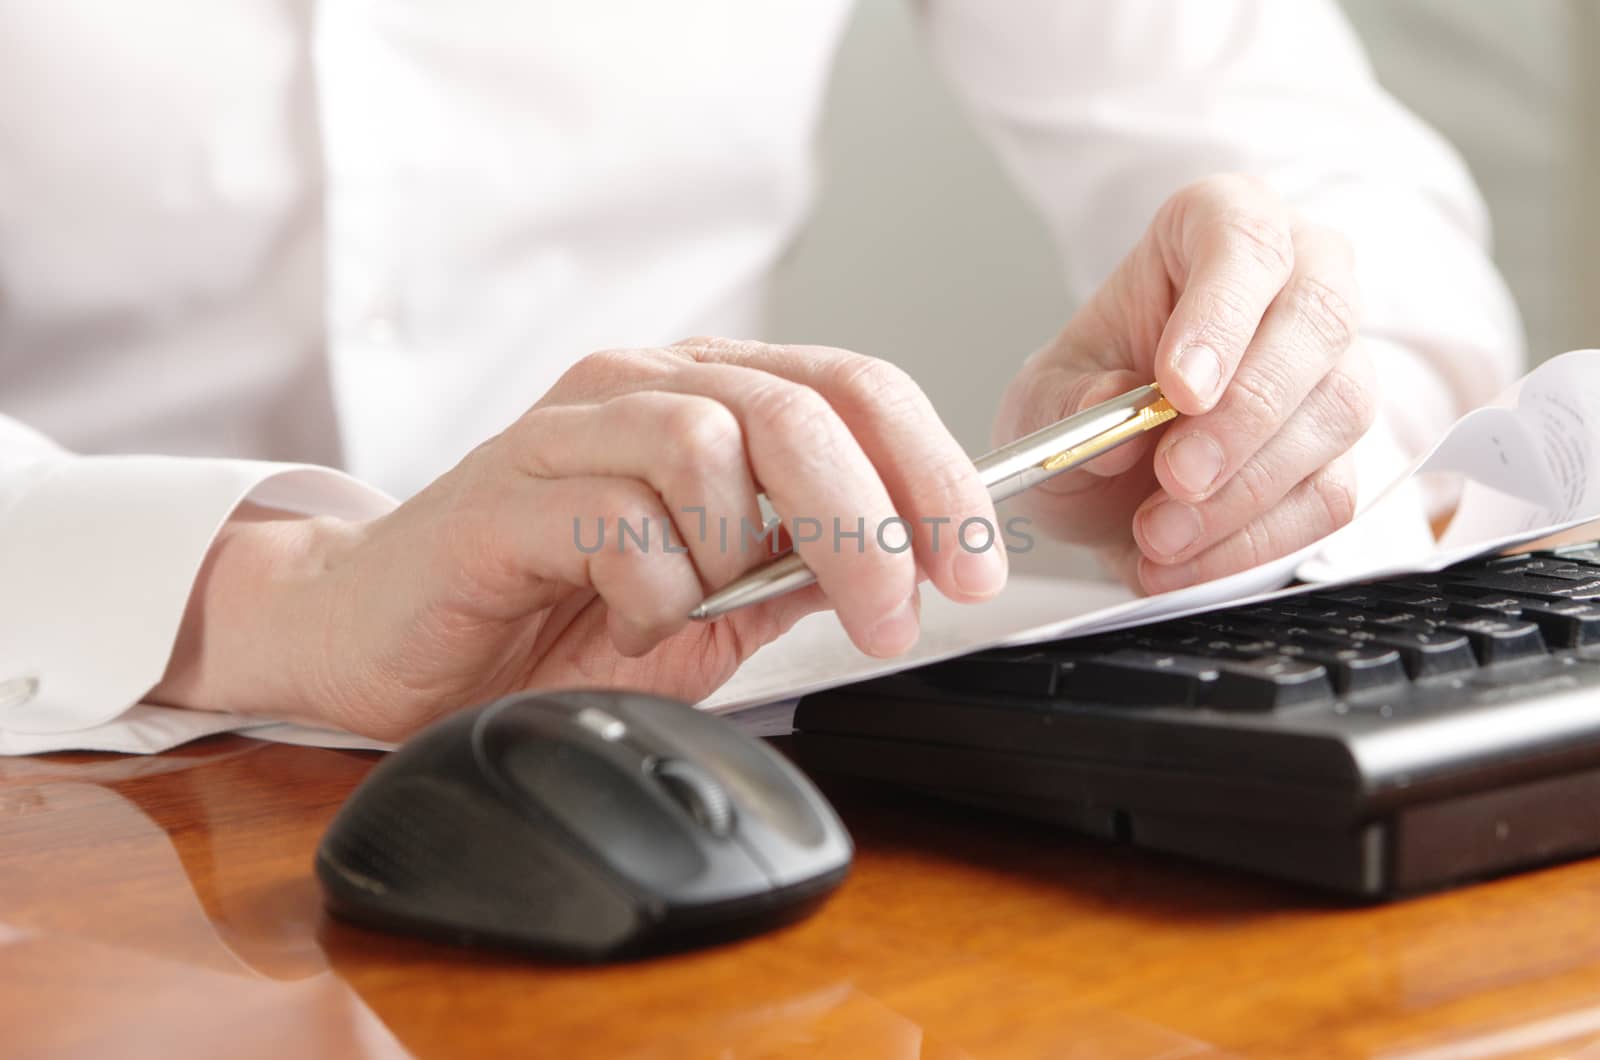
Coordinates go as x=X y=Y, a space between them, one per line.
x=98 y=555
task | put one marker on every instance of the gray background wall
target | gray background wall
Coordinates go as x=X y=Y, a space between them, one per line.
x=952 y=278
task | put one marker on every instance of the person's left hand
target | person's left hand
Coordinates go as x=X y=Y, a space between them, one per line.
x=1245 y=314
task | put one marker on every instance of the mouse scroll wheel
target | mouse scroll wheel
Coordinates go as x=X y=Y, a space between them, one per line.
x=694 y=789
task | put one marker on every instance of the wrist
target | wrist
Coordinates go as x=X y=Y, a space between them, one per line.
x=250 y=639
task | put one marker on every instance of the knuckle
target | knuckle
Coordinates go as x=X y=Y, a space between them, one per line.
x=1265 y=240
x=943 y=490
x=599 y=370
x=790 y=409
x=1336 y=494
x=873 y=383
x=626 y=499
x=704 y=441
x=949 y=486
x=1256 y=489
x=712 y=348
x=1256 y=400
x=1223 y=311
x=1257 y=544
x=1353 y=403
x=1326 y=311
x=699 y=428
x=1225 y=302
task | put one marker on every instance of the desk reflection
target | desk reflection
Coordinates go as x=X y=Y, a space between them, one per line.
x=165 y=906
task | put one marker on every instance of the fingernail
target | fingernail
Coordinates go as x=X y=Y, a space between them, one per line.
x=981 y=573
x=895 y=632
x=1195 y=461
x=1170 y=527
x=1201 y=371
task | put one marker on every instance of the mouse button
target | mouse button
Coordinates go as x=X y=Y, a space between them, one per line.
x=758 y=778
x=697 y=792
x=788 y=862
x=596 y=798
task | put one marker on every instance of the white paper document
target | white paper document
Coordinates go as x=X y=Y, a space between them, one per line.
x=1532 y=463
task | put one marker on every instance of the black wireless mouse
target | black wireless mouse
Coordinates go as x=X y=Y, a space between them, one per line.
x=589 y=825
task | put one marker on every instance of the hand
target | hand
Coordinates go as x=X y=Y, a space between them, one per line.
x=489 y=581
x=1245 y=314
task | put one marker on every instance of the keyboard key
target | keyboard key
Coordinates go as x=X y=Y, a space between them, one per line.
x=1567 y=572
x=1529 y=584
x=1361 y=596
x=1493 y=605
x=1032 y=673
x=1319 y=614
x=1434 y=654
x=1498 y=640
x=1166 y=640
x=1352 y=669
x=1268 y=684
x=1358 y=670
x=1219 y=638
x=1586 y=553
x=1494 y=562
x=1229 y=625
x=1408 y=598
x=1568 y=624
x=1137 y=677
x=1406 y=620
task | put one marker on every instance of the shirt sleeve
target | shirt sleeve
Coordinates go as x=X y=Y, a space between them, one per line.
x=97 y=558
x=1102 y=110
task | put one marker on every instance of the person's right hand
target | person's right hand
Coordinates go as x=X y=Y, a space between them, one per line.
x=478 y=586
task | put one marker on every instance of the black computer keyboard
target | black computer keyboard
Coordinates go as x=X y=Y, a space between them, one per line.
x=1393 y=736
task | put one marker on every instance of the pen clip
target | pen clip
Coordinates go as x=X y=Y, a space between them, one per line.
x=1151 y=416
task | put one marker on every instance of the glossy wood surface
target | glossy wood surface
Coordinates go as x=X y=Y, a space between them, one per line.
x=164 y=907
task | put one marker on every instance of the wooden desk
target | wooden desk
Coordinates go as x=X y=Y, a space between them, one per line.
x=164 y=907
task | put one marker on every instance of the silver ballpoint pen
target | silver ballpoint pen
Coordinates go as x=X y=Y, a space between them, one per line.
x=1006 y=471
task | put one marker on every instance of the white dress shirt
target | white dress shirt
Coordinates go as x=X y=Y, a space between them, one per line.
x=265 y=240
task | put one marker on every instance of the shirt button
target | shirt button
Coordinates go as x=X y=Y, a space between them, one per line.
x=17 y=691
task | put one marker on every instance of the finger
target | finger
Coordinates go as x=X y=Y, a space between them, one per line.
x=1331 y=419
x=689 y=448
x=1121 y=560
x=1308 y=328
x=608 y=534
x=1231 y=252
x=930 y=478
x=1316 y=507
x=829 y=493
